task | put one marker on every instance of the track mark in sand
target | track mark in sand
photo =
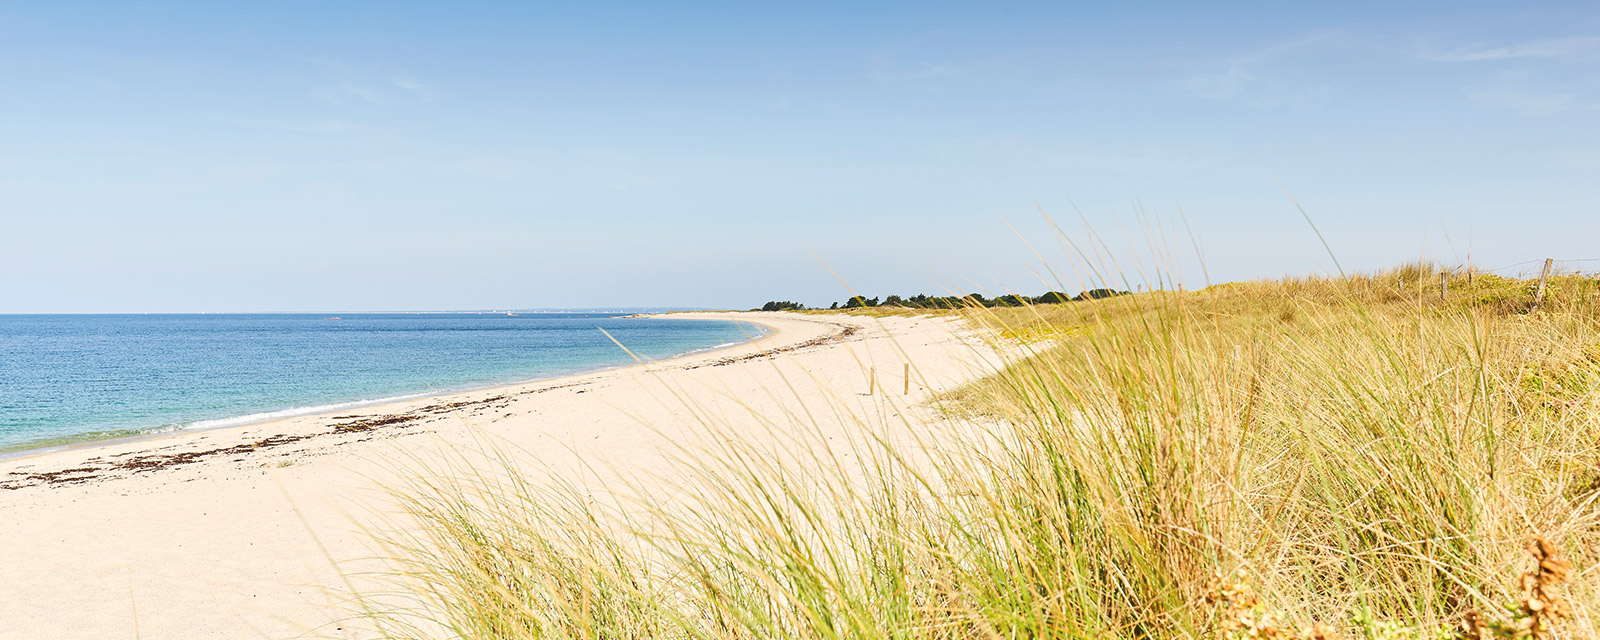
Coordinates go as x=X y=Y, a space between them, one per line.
x=839 y=336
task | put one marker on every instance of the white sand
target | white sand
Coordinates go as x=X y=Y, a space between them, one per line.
x=254 y=542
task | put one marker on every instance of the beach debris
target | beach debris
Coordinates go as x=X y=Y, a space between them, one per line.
x=838 y=336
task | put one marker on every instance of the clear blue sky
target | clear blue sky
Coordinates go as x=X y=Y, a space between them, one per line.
x=345 y=156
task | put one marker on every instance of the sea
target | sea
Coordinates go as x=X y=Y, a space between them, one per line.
x=66 y=379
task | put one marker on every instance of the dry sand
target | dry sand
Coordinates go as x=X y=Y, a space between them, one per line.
x=251 y=532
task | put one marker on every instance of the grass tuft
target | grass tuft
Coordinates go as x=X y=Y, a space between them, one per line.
x=1359 y=457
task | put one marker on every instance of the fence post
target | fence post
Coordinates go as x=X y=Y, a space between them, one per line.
x=1469 y=276
x=907 y=391
x=1444 y=285
x=1538 y=295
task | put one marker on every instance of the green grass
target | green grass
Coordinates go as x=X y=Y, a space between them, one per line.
x=1250 y=459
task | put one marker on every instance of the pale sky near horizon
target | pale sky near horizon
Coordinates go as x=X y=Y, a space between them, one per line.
x=180 y=157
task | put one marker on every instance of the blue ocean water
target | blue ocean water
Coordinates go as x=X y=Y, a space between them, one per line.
x=66 y=378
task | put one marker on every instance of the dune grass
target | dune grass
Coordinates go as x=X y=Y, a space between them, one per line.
x=1313 y=457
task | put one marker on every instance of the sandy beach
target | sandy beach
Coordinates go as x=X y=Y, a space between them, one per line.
x=256 y=531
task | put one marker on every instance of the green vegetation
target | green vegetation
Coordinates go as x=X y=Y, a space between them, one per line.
x=1359 y=457
x=922 y=301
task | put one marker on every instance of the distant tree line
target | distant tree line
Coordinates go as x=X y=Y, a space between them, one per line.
x=921 y=301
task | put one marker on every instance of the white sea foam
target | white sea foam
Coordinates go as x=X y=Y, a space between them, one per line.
x=752 y=332
x=298 y=411
x=325 y=408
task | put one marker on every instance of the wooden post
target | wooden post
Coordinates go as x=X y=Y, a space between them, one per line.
x=1469 y=276
x=907 y=392
x=1444 y=285
x=1538 y=295
x=872 y=381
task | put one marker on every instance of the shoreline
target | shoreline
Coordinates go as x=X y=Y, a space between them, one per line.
x=269 y=527
x=27 y=450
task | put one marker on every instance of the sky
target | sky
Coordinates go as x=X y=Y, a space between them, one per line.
x=188 y=157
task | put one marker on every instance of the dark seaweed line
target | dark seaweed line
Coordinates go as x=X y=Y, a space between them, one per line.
x=353 y=424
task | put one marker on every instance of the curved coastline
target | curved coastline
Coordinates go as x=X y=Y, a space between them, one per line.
x=95 y=440
x=265 y=526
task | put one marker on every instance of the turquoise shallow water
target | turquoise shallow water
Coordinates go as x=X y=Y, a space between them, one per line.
x=68 y=378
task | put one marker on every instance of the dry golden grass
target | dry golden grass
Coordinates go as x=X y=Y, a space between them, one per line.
x=1360 y=457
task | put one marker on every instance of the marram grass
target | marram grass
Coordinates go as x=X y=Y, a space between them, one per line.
x=1318 y=458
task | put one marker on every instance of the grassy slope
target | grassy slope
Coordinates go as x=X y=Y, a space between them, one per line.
x=1356 y=453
